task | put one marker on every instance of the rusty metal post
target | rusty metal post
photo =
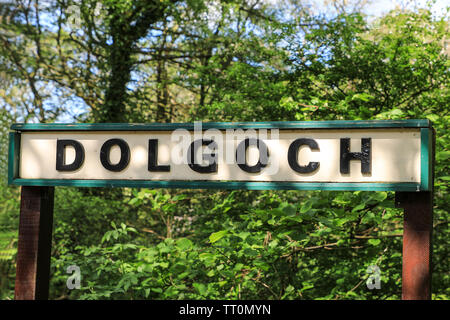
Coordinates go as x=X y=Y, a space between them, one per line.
x=34 y=246
x=417 y=231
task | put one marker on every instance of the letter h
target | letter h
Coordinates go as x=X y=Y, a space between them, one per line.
x=365 y=155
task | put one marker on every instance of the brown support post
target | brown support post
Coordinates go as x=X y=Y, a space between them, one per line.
x=34 y=246
x=417 y=230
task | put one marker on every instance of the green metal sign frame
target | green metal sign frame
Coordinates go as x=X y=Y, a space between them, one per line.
x=425 y=155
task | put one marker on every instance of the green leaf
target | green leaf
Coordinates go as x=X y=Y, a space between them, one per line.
x=183 y=275
x=243 y=235
x=341 y=221
x=238 y=267
x=184 y=244
x=288 y=209
x=306 y=206
x=379 y=196
x=442 y=155
x=374 y=242
x=396 y=112
x=216 y=236
x=250 y=252
x=200 y=287
x=295 y=218
x=433 y=117
x=306 y=286
x=133 y=201
x=179 y=197
x=359 y=207
x=362 y=96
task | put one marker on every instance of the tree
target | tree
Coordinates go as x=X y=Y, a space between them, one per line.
x=383 y=71
x=225 y=61
x=85 y=50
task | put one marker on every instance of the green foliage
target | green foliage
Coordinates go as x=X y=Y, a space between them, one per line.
x=349 y=70
x=9 y=207
x=272 y=250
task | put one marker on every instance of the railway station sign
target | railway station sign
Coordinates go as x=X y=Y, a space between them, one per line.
x=323 y=155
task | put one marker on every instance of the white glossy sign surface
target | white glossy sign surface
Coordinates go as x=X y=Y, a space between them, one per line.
x=395 y=155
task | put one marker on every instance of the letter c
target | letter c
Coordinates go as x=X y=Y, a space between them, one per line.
x=293 y=155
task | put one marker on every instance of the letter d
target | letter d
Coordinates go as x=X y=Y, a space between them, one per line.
x=61 y=155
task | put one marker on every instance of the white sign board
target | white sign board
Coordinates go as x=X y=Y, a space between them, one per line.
x=389 y=155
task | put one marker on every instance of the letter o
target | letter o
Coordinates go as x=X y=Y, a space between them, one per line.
x=124 y=155
x=241 y=155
